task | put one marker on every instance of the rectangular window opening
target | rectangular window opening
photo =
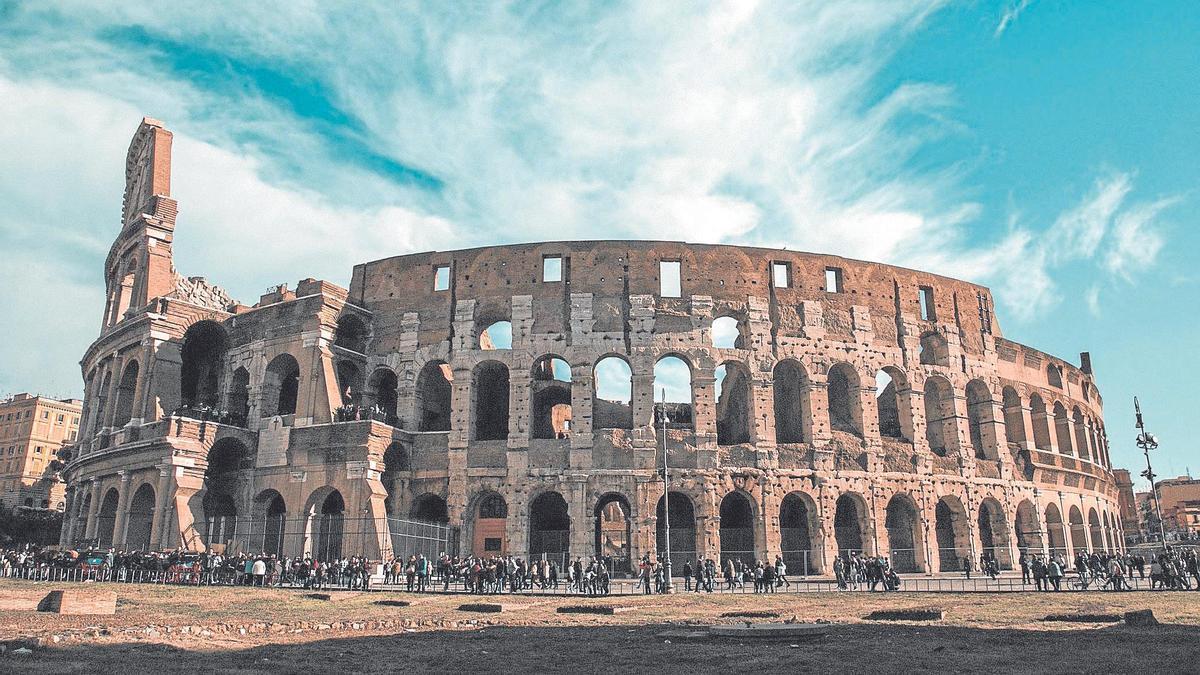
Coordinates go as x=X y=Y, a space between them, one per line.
x=928 y=313
x=441 y=278
x=491 y=544
x=833 y=280
x=551 y=268
x=781 y=275
x=668 y=278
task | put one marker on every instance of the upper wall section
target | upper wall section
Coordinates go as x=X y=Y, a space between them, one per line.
x=613 y=271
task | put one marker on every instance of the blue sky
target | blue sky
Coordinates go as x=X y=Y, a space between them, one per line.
x=1044 y=148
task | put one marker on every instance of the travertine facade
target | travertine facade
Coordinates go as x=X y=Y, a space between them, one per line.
x=860 y=406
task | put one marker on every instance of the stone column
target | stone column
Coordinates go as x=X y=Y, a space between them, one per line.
x=643 y=394
x=581 y=416
x=93 y=510
x=64 y=537
x=160 y=506
x=122 y=519
x=519 y=427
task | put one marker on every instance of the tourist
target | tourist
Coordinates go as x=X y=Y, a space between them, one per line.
x=1023 y=561
x=1055 y=573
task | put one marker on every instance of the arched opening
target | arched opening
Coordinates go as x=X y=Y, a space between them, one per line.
x=674 y=376
x=797 y=521
x=349 y=378
x=395 y=461
x=941 y=423
x=1079 y=539
x=1041 y=424
x=980 y=418
x=382 y=396
x=849 y=524
x=222 y=482
x=433 y=396
x=430 y=508
x=497 y=335
x=489 y=392
x=1054 y=376
x=934 y=350
x=612 y=536
x=550 y=398
x=351 y=333
x=106 y=519
x=281 y=386
x=1055 y=532
x=239 y=397
x=1014 y=416
x=891 y=400
x=845 y=407
x=732 y=388
x=1108 y=535
x=330 y=517
x=727 y=333
x=683 y=528
x=1081 y=434
x=793 y=409
x=904 y=534
x=549 y=528
x=81 y=515
x=272 y=510
x=993 y=533
x=140 y=519
x=737 y=528
x=1095 y=530
x=201 y=357
x=951 y=526
x=491 y=519
x=611 y=400
x=126 y=390
x=1029 y=531
x=1062 y=429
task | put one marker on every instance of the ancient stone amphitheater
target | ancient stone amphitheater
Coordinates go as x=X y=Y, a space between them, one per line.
x=507 y=400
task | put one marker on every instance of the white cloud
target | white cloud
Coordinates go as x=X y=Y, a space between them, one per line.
x=1136 y=243
x=1011 y=12
x=1092 y=299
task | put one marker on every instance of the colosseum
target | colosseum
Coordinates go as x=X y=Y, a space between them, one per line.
x=519 y=400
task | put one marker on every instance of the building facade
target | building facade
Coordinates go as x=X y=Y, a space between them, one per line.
x=505 y=400
x=32 y=431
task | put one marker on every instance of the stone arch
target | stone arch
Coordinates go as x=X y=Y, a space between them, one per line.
x=950 y=525
x=349 y=377
x=271 y=509
x=673 y=373
x=489 y=529
x=201 y=358
x=549 y=528
x=1081 y=433
x=1041 y=424
x=1109 y=543
x=140 y=520
x=227 y=458
x=434 y=396
x=728 y=332
x=106 y=518
x=281 y=386
x=993 y=532
x=395 y=461
x=1029 y=530
x=798 y=521
x=612 y=393
x=126 y=392
x=1062 y=428
x=613 y=531
x=980 y=420
x=1079 y=540
x=682 y=512
x=239 y=396
x=430 y=508
x=891 y=401
x=1014 y=416
x=732 y=393
x=737 y=527
x=351 y=333
x=326 y=516
x=845 y=405
x=550 y=398
x=1095 y=530
x=1055 y=532
x=851 y=524
x=935 y=351
x=941 y=419
x=793 y=407
x=905 y=534
x=382 y=396
x=489 y=405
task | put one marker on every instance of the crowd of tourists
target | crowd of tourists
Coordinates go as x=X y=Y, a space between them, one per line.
x=1171 y=569
x=875 y=573
x=497 y=574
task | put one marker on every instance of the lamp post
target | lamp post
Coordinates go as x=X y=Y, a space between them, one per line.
x=1147 y=442
x=668 y=586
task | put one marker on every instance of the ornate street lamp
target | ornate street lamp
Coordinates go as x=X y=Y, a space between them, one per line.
x=1147 y=442
x=669 y=587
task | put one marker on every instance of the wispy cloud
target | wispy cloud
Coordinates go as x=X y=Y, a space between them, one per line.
x=1011 y=12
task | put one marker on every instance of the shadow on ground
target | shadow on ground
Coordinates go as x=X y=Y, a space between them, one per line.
x=862 y=647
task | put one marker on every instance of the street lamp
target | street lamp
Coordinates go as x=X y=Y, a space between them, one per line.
x=1147 y=442
x=668 y=586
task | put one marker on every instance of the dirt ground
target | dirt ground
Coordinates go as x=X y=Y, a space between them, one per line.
x=176 y=629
